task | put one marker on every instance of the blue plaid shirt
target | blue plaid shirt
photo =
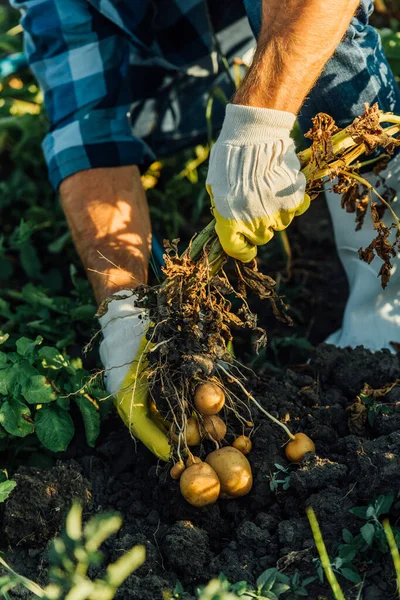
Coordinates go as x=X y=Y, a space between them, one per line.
x=108 y=67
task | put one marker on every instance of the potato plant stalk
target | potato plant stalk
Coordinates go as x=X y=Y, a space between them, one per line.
x=342 y=142
x=394 y=551
x=323 y=554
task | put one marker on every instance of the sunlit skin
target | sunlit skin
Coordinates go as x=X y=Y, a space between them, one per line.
x=109 y=220
x=106 y=208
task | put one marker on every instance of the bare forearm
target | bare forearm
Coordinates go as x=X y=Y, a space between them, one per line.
x=297 y=39
x=107 y=213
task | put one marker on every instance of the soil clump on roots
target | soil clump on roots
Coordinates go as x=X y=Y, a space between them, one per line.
x=353 y=465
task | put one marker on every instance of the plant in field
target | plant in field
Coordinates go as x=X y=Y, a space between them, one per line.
x=367 y=546
x=37 y=386
x=70 y=557
x=372 y=532
x=6 y=485
x=370 y=398
x=280 y=477
x=270 y=585
x=196 y=309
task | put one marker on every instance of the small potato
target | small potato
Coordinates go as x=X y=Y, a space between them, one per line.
x=177 y=470
x=209 y=399
x=243 y=444
x=192 y=460
x=233 y=470
x=214 y=428
x=297 y=448
x=192 y=435
x=200 y=485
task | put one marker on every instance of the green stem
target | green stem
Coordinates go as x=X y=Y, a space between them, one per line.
x=347 y=152
x=394 y=551
x=323 y=554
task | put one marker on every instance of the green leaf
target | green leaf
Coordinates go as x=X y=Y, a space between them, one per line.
x=368 y=532
x=266 y=580
x=54 y=427
x=15 y=417
x=280 y=588
x=359 y=511
x=308 y=580
x=63 y=402
x=282 y=578
x=371 y=512
x=7 y=379
x=351 y=575
x=347 y=536
x=30 y=260
x=239 y=588
x=384 y=504
x=52 y=359
x=91 y=419
x=6 y=487
x=37 y=390
x=3 y=360
x=26 y=346
x=347 y=553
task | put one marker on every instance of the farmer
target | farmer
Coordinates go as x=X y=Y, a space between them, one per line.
x=126 y=80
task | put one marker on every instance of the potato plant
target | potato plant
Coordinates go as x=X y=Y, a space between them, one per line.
x=38 y=384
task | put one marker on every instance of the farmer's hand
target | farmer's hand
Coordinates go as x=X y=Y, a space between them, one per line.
x=123 y=352
x=254 y=179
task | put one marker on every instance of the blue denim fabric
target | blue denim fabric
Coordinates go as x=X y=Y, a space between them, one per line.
x=357 y=73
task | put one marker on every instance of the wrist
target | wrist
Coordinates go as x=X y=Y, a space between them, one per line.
x=247 y=125
x=277 y=79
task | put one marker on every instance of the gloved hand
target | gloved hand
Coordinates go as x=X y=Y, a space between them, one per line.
x=254 y=179
x=123 y=353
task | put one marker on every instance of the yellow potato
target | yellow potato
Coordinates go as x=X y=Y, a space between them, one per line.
x=214 y=428
x=297 y=448
x=192 y=435
x=200 y=485
x=233 y=470
x=177 y=470
x=243 y=444
x=209 y=399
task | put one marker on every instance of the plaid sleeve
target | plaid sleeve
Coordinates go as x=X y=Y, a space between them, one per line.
x=80 y=59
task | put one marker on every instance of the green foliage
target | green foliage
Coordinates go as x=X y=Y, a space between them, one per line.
x=375 y=408
x=6 y=486
x=391 y=44
x=37 y=386
x=368 y=545
x=270 y=585
x=281 y=477
x=70 y=557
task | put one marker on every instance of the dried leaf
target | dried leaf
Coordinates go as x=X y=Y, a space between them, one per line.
x=357 y=416
x=323 y=127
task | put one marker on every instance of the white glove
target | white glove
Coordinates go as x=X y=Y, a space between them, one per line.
x=254 y=179
x=123 y=326
x=123 y=354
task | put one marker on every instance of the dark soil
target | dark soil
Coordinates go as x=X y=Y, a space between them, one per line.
x=242 y=537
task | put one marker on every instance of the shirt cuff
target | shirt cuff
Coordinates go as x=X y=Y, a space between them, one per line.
x=93 y=142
